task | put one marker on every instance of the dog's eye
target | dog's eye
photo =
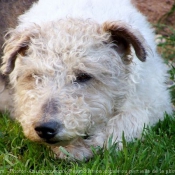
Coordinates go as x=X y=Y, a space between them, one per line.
x=82 y=77
x=37 y=78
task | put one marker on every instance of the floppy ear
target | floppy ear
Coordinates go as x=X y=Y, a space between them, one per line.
x=16 y=43
x=124 y=36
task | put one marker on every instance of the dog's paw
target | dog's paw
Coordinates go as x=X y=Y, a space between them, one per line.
x=72 y=152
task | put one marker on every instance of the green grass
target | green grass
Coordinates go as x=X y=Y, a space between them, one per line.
x=153 y=154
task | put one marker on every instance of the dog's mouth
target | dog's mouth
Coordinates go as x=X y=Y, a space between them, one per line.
x=58 y=142
x=51 y=141
x=62 y=142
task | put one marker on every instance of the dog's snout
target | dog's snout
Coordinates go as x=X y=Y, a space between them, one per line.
x=47 y=130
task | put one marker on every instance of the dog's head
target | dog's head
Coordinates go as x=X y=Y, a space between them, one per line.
x=71 y=76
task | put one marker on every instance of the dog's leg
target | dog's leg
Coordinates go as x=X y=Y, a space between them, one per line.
x=130 y=123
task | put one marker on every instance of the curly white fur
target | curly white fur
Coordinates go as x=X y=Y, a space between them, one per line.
x=58 y=39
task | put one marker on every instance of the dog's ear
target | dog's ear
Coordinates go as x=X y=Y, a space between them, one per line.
x=16 y=43
x=123 y=36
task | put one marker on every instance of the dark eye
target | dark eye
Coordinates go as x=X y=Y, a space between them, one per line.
x=82 y=77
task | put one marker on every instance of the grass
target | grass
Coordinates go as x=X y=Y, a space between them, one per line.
x=153 y=154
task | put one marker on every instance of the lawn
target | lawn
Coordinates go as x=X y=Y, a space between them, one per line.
x=153 y=154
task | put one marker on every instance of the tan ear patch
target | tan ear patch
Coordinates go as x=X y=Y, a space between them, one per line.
x=16 y=44
x=124 y=36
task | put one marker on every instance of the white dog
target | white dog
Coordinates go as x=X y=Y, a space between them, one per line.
x=84 y=68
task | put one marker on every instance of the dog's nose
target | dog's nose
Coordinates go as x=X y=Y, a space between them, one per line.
x=47 y=130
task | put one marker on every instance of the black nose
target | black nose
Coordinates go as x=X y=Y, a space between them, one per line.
x=47 y=130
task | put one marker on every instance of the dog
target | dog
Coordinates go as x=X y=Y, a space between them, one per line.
x=83 y=72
